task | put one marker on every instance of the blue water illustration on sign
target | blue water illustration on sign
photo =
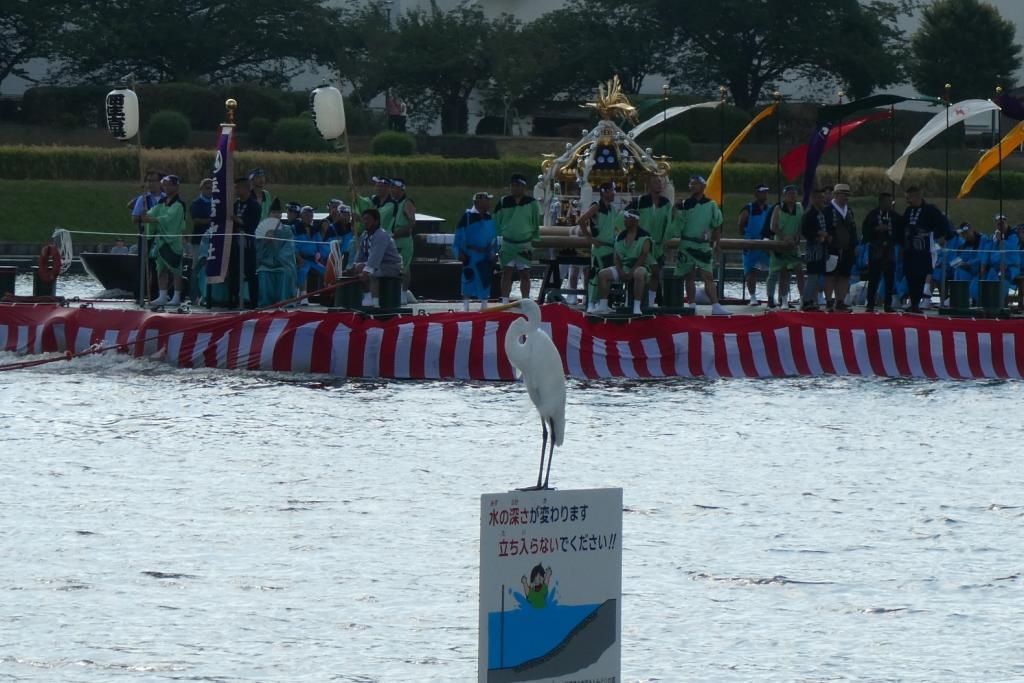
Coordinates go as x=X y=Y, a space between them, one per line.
x=532 y=629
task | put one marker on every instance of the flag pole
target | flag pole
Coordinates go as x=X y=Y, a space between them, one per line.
x=999 y=136
x=143 y=239
x=777 y=96
x=945 y=97
x=892 y=143
x=664 y=118
x=722 y=90
x=839 y=144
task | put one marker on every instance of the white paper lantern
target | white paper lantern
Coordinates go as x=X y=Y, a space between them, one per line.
x=328 y=112
x=123 y=114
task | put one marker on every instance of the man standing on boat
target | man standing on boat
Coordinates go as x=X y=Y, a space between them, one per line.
x=166 y=226
x=403 y=224
x=475 y=245
x=814 y=228
x=258 y=178
x=841 y=246
x=378 y=257
x=697 y=221
x=148 y=199
x=201 y=211
x=753 y=224
x=603 y=222
x=655 y=213
x=517 y=221
x=245 y=219
x=923 y=223
x=785 y=226
x=882 y=231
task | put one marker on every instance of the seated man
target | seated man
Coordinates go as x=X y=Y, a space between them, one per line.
x=968 y=255
x=306 y=249
x=632 y=264
x=1004 y=258
x=119 y=247
x=275 y=251
x=378 y=257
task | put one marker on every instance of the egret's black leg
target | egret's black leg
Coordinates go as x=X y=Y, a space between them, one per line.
x=543 y=449
x=551 y=454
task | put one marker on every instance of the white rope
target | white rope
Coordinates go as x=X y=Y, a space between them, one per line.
x=62 y=238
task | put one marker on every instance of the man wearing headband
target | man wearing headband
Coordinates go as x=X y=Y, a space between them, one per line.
x=785 y=228
x=882 y=230
x=517 y=221
x=632 y=263
x=258 y=178
x=307 y=236
x=601 y=222
x=403 y=223
x=475 y=244
x=291 y=219
x=968 y=257
x=165 y=224
x=814 y=228
x=923 y=225
x=753 y=224
x=655 y=212
x=696 y=221
x=1004 y=260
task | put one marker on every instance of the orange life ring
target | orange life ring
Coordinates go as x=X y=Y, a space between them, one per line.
x=49 y=263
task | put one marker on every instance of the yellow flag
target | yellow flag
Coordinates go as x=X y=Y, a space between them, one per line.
x=714 y=188
x=991 y=158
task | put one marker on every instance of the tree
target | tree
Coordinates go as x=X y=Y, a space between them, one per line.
x=356 y=44
x=438 y=59
x=29 y=29
x=965 y=43
x=193 y=40
x=753 y=47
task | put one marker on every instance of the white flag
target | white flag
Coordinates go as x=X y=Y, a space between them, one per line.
x=958 y=112
x=667 y=114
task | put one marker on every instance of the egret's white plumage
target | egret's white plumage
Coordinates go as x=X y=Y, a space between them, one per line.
x=531 y=351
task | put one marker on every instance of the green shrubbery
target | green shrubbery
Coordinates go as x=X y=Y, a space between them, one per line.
x=167 y=128
x=393 y=143
x=330 y=168
x=259 y=130
x=296 y=134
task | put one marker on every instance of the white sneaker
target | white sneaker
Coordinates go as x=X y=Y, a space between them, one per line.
x=601 y=309
x=754 y=301
x=160 y=300
x=945 y=303
x=408 y=298
x=718 y=309
x=926 y=302
x=175 y=300
x=304 y=302
x=367 y=300
x=570 y=299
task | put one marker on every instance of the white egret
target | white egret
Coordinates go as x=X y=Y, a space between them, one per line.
x=531 y=351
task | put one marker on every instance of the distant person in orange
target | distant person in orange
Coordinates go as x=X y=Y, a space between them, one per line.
x=397 y=112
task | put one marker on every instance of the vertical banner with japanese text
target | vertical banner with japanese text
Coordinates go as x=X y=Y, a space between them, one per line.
x=551 y=586
x=218 y=260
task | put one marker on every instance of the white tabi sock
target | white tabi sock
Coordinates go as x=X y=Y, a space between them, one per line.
x=465 y=305
x=368 y=299
x=650 y=297
x=504 y=299
x=636 y=308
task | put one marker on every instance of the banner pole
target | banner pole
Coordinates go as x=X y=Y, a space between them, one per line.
x=721 y=160
x=892 y=144
x=999 y=136
x=143 y=242
x=839 y=144
x=777 y=96
x=946 y=90
x=664 y=118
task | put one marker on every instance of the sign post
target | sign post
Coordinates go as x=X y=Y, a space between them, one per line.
x=551 y=586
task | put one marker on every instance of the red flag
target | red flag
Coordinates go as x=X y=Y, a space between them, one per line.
x=795 y=160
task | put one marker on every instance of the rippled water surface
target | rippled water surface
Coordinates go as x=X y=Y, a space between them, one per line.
x=161 y=524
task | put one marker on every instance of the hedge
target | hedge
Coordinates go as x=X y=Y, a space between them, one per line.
x=330 y=168
x=167 y=128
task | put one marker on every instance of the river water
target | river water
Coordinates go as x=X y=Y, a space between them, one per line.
x=161 y=524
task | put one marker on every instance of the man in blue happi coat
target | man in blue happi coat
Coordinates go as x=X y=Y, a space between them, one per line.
x=475 y=244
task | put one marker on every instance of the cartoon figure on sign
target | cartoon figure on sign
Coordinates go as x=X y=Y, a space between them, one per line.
x=536 y=589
